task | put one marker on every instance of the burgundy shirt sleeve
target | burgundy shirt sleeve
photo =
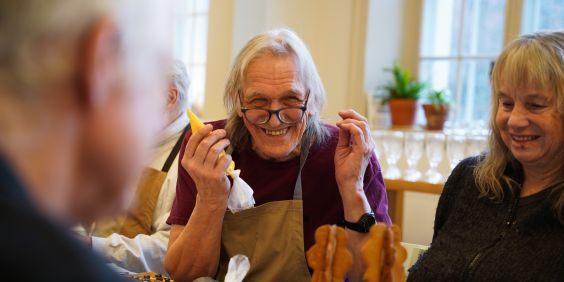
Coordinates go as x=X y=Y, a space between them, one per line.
x=185 y=199
x=375 y=190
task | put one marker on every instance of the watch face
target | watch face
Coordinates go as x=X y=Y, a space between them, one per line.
x=367 y=220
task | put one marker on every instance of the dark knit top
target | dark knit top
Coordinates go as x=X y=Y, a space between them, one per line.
x=478 y=239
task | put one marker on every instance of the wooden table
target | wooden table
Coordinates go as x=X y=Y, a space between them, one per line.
x=396 y=189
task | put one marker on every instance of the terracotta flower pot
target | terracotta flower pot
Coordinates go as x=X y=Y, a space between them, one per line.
x=436 y=116
x=403 y=111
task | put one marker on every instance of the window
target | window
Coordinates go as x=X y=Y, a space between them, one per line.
x=190 y=44
x=460 y=40
x=541 y=15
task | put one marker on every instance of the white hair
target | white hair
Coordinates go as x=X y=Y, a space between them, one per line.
x=277 y=42
x=181 y=81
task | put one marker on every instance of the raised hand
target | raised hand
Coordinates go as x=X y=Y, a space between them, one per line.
x=353 y=150
x=204 y=164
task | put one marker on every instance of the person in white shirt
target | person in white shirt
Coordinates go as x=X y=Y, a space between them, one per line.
x=137 y=241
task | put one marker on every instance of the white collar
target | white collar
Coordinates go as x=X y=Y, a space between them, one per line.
x=173 y=130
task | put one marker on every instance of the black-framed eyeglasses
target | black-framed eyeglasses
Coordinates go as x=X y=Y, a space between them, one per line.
x=288 y=115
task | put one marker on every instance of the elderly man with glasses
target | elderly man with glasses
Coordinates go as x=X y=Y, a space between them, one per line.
x=304 y=173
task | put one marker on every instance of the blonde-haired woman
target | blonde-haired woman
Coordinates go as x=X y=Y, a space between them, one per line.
x=501 y=215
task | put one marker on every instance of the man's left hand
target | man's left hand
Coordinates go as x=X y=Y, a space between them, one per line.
x=352 y=155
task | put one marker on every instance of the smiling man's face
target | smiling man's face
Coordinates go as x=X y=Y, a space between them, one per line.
x=271 y=83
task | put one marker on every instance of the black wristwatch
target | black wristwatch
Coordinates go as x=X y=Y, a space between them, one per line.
x=363 y=224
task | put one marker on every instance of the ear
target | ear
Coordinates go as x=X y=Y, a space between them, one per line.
x=172 y=98
x=99 y=71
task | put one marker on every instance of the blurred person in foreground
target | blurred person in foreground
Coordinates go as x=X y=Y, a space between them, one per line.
x=501 y=215
x=81 y=86
x=305 y=173
x=137 y=240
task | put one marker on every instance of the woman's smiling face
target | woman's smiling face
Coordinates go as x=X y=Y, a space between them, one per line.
x=271 y=82
x=531 y=126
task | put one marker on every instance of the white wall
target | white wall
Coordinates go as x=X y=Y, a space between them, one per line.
x=419 y=217
x=383 y=40
x=220 y=40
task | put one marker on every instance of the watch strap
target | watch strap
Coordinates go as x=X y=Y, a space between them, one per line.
x=363 y=225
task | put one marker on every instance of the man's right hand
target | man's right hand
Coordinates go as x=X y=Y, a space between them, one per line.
x=203 y=163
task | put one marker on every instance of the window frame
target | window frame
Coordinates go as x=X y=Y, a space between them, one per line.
x=192 y=18
x=412 y=33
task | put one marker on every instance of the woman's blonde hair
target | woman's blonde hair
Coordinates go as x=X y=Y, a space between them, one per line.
x=277 y=42
x=531 y=61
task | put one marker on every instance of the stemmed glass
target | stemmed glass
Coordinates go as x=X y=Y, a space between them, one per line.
x=455 y=147
x=477 y=144
x=378 y=137
x=434 y=148
x=413 y=148
x=393 y=143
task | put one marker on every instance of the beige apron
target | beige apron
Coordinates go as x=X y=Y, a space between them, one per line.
x=138 y=219
x=271 y=236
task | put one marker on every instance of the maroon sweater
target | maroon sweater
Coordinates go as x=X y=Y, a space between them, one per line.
x=275 y=181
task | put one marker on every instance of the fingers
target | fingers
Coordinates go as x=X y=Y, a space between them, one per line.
x=356 y=118
x=344 y=137
x=357 y=127
x=354 y=133
x=352 y=114
x=212 y=155
x=208 y=150
x=361 y=125
x=223 y=162
x=204 y=147
x=195 y=140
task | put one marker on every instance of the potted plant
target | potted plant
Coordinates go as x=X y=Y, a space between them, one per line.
x=437 y=108
x=402 y=96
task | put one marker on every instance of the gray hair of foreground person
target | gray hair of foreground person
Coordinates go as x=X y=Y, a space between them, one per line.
x=537 y=61
x=39 y=39
x=277 y=42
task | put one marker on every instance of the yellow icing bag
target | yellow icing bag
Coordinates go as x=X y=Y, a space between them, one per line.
x=241 y=194
x=195 y=125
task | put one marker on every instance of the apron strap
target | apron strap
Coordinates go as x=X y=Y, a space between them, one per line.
x=175 y=150
x=305 y=144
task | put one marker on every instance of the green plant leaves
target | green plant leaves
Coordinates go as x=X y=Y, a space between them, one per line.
x=403 y=86
x=438 y=97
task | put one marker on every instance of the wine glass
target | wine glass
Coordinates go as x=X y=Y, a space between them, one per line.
x=477 y=144
x=393 y=143
x=378 y=137
x=434 y=148
x=455 y=147
x=413 y=148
